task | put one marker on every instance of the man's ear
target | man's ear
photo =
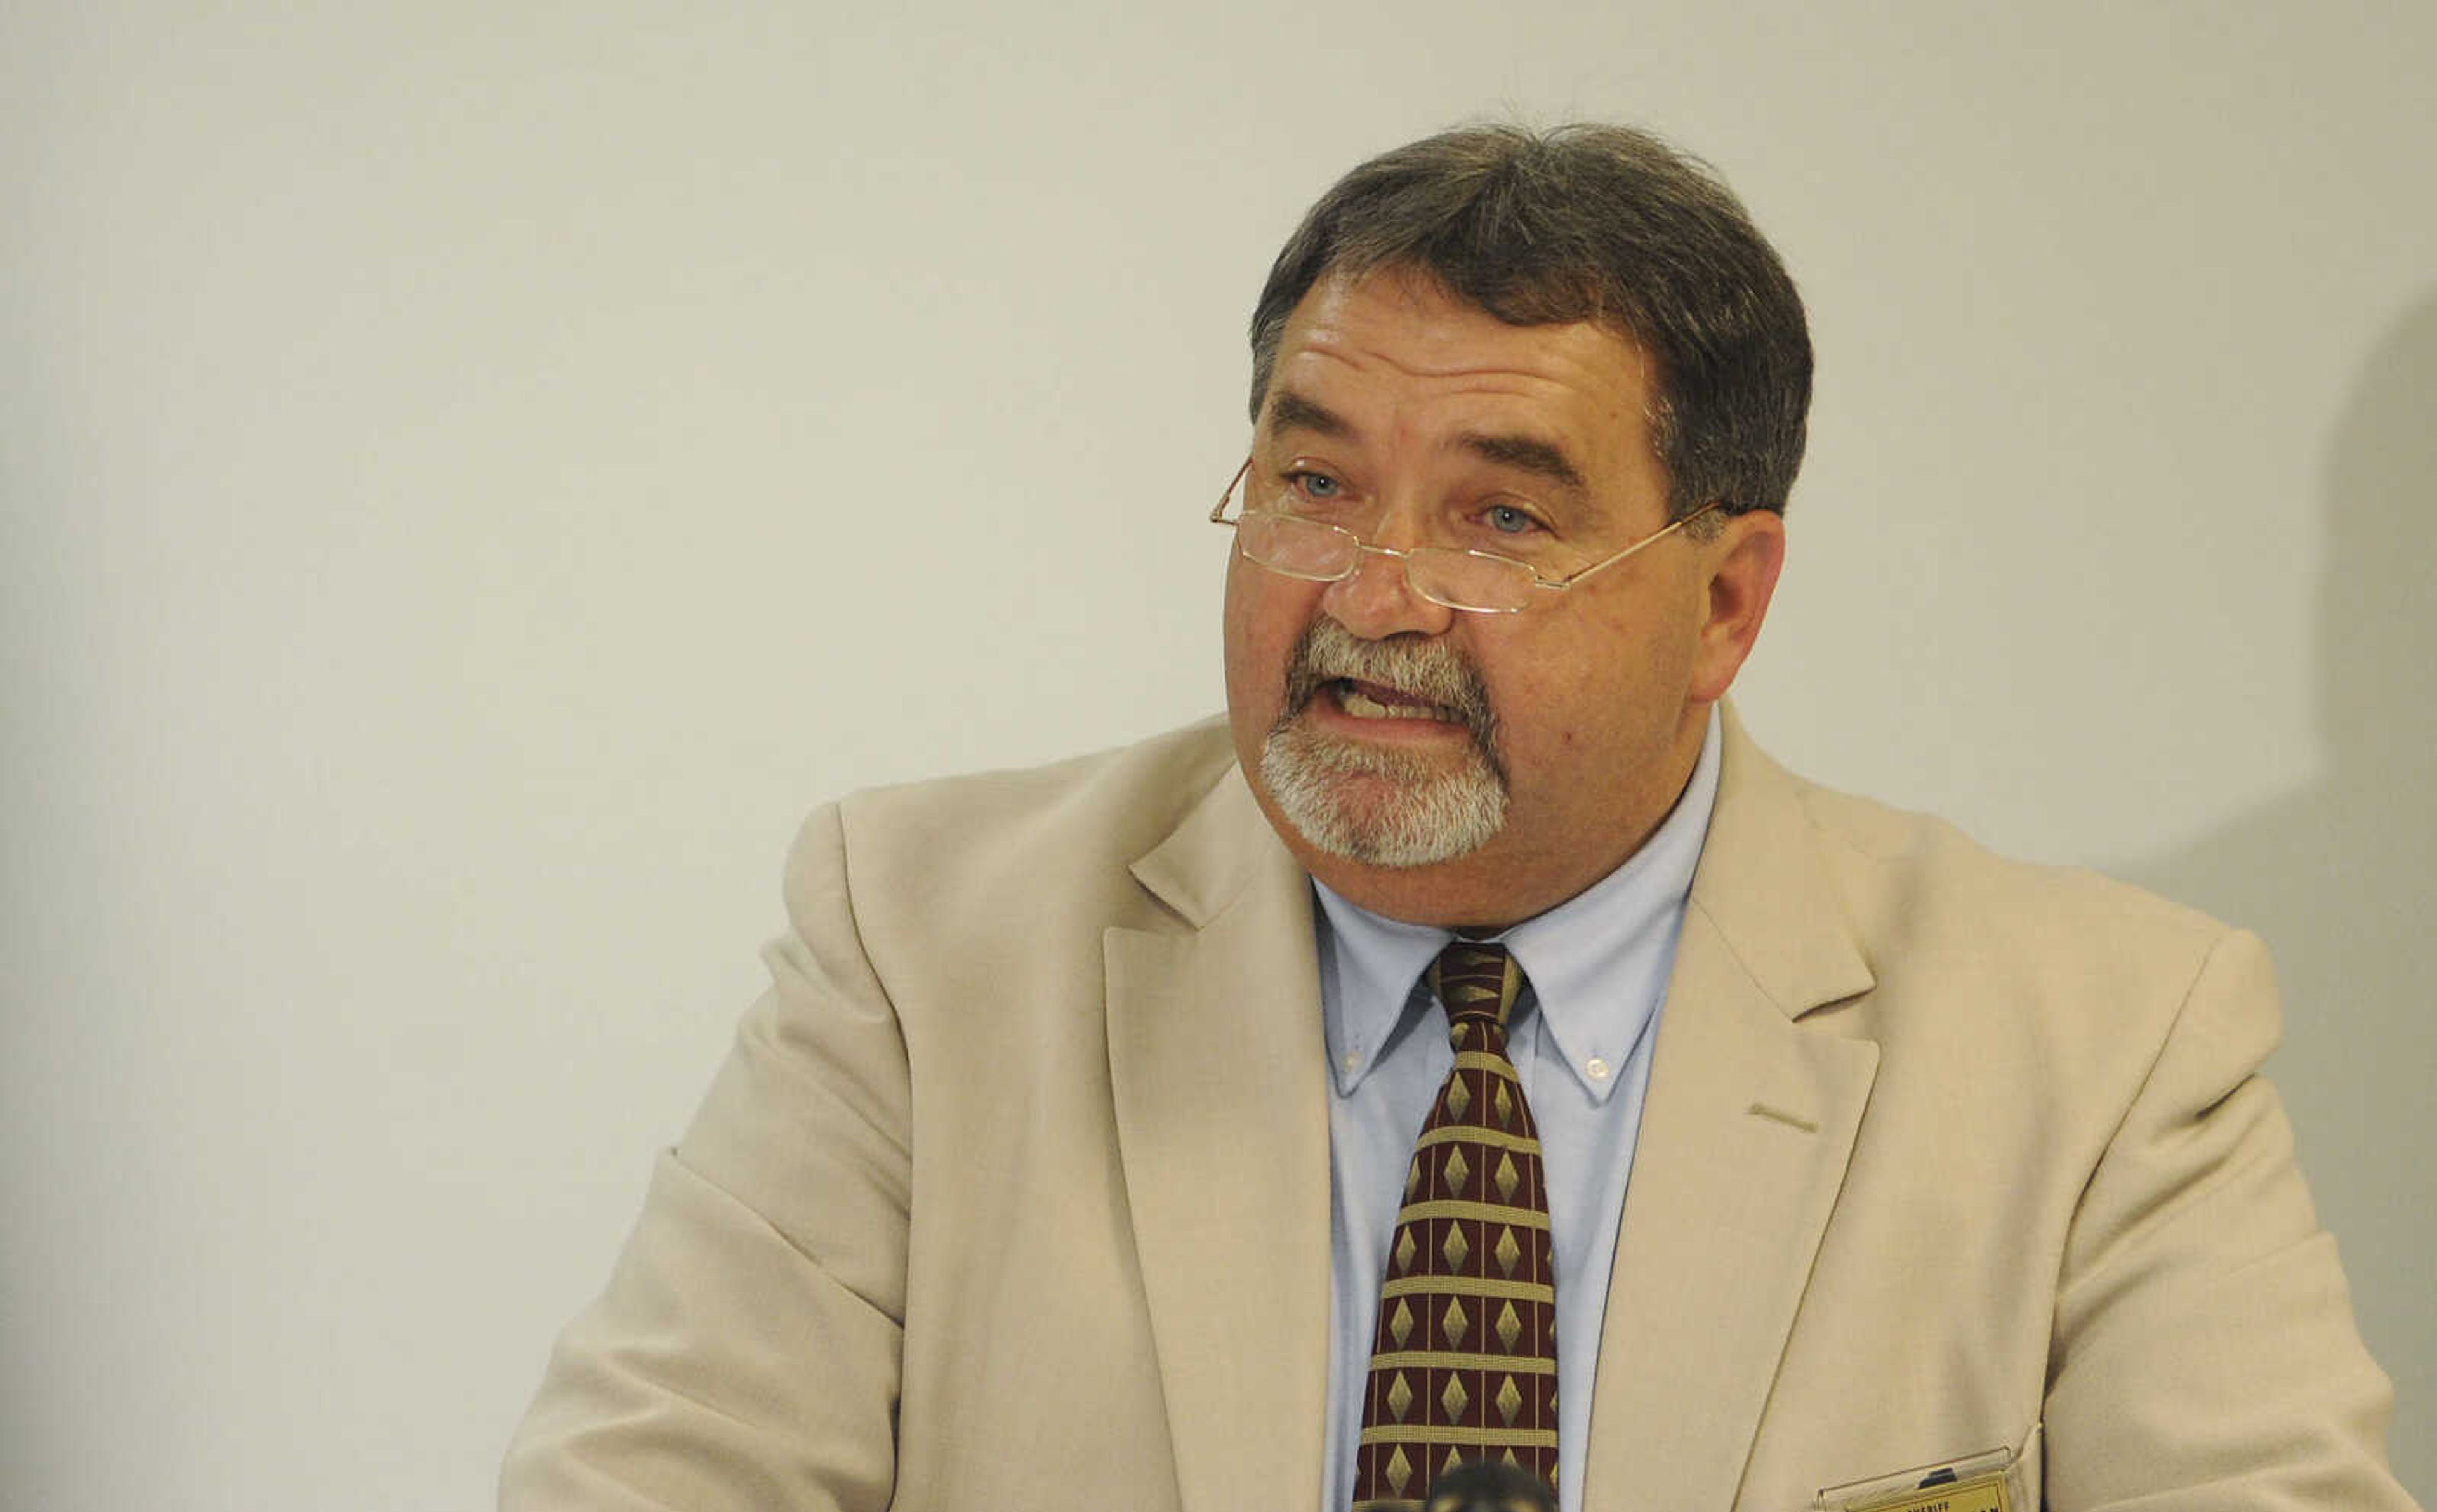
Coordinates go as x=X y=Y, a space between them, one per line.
x=1742 y=562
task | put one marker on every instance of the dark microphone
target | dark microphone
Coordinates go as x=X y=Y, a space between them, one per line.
x=1489 y=1486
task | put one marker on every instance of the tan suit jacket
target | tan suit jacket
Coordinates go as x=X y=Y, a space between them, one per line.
x=1014 y=1192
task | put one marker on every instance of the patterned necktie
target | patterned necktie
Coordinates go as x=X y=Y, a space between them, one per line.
x=1463 y=1360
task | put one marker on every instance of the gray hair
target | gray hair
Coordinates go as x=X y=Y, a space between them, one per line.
x=1586 y=222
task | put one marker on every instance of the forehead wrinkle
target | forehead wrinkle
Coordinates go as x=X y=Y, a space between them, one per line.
x=1418 y=340
x=1289 y=408
x=1327 y=344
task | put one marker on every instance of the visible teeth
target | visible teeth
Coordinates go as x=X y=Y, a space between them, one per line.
x=1363 y=706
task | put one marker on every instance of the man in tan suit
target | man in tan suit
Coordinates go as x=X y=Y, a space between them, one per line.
x=1057 y=1165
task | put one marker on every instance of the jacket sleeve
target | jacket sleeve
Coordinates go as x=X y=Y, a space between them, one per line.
x=2204 y=1353
x=746 y=1351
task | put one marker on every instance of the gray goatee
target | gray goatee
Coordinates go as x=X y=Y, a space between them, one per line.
x=1437 y=812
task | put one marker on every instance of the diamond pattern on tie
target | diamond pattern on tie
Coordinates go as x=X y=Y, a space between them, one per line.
x=1454 y=1399
x=1510 y=1401
x=1464 y=1359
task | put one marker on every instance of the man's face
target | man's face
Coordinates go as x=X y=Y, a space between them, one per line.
x=1469 y=769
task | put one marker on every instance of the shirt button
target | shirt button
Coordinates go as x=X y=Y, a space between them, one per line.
x=1348 y=1060
x=1597 y=1067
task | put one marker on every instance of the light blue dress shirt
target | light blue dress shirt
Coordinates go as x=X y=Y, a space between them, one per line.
x=1581 y=1041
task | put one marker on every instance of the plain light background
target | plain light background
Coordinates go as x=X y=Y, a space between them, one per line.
x=473 y=476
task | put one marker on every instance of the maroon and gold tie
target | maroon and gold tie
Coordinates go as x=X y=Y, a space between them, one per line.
x=1463 y=1360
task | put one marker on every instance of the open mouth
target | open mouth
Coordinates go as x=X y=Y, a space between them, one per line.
x=1377 y=701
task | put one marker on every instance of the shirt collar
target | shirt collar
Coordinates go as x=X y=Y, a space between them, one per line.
x=1597 y=963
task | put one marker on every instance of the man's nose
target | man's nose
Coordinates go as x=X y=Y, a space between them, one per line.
x=1377 y=600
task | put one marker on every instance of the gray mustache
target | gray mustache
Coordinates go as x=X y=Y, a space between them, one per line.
x=1423 y=668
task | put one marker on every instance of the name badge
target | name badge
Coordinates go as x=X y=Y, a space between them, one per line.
x=1987 y=1482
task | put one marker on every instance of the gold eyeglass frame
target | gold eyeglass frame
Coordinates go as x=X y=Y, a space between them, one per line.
x=1218 y=516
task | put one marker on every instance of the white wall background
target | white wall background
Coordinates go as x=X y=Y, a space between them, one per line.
x=471 y=475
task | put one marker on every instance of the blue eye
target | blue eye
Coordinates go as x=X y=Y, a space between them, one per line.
x=1314 y=485
x=1508 y=520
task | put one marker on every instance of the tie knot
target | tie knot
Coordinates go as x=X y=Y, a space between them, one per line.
x=1475 y=981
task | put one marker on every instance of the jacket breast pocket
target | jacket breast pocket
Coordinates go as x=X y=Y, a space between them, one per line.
x=1995 y=1480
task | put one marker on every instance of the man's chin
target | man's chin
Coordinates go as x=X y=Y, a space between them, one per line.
x=1382 y=805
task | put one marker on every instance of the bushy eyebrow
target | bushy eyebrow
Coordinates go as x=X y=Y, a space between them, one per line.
x=1289 y=411
x=1527 y=454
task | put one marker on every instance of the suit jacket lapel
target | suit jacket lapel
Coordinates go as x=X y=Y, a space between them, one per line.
x=1218 y=1076
x=1744 y=1139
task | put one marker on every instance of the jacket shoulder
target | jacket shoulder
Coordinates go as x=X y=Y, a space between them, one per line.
x=1982 y=959
x=973 y=853
x=1907 y=875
